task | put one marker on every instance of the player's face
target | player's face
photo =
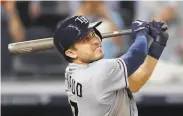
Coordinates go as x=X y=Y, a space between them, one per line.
x=88 y=49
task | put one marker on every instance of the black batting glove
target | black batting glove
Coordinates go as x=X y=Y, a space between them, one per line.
x=140 y=28
x=157 y=31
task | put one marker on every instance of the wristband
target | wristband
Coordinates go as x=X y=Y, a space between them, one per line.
x=161 y=40
x=156 y=50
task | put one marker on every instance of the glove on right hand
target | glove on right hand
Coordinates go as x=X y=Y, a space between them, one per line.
x=157 y=31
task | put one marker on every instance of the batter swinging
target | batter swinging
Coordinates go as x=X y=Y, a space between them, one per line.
x=103 y=87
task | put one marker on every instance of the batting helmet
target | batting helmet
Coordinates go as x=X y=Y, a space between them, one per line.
x=71 y=30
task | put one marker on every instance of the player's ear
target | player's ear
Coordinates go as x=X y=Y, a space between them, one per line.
x=71 y=53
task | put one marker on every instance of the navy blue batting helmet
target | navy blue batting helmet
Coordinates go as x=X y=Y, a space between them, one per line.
x=71 y=30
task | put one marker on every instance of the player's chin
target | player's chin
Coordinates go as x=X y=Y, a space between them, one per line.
x=99 y=55
x=96 y=57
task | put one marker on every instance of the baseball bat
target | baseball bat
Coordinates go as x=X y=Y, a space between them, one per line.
x=47 y=43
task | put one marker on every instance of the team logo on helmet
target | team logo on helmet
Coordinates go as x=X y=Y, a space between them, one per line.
x=82 y=20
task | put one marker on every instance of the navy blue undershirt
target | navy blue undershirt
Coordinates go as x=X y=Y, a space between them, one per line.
x=136 y=54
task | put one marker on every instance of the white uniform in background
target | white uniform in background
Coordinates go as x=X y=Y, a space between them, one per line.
x=99 y=89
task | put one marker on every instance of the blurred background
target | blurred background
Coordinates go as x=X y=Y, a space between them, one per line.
x=33 y=84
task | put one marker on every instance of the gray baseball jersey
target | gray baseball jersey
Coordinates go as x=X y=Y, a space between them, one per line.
x=99 y=89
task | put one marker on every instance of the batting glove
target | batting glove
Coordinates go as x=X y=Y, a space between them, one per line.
x=157 y=31
x=140 y=27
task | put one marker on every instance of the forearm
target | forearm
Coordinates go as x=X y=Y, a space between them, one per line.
x=142 y=74
x=140 y=77
x=136 y=54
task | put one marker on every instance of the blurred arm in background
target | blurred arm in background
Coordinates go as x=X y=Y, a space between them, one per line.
x=167 y=13
x=156 y=10
x=15 y=26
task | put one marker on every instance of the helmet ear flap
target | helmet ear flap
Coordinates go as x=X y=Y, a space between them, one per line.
x=98 y=33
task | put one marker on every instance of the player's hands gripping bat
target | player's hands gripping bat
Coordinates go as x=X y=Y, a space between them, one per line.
x=158 y=32
x=159 y=29
x=140 y=27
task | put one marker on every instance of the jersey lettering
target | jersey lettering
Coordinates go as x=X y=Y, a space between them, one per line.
x=79 y=89
x=69 y=82
x=75 y=86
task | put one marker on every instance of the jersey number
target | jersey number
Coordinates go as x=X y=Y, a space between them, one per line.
x=74 y=104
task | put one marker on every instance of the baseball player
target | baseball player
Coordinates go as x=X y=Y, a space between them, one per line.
x=103 y=87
